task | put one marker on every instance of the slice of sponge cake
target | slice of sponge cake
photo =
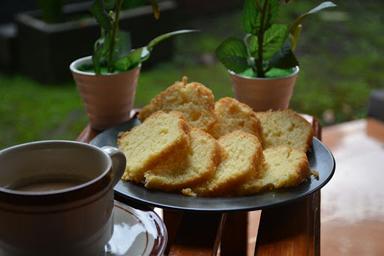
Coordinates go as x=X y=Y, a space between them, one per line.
x=176 y=173
x=233 y=115
x=241 y=153
x=159 y=136
x=285 y=127
x=283 y=167
x=194 y=100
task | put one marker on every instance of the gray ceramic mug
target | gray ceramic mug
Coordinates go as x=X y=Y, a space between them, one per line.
x=56 y=198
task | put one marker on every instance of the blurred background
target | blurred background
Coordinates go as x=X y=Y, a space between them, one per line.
x=340 y=54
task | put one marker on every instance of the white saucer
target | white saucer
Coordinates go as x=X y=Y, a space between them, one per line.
x=136 y=232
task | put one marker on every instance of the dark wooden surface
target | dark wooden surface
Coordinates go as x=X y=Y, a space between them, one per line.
x=292 y=229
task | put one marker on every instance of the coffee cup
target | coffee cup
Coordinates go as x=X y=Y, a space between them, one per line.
x=56 y=198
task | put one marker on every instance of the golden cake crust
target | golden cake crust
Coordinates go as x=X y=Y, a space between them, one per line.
x=194 y=100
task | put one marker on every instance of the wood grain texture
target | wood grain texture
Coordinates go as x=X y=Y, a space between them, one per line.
x=197 y=234
x=290 y=229
x=172 y=220
x=234 y=239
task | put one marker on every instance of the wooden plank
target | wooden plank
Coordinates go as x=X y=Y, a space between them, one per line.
x=234 y=239
x=253 y=228
x=172 y=220
x=292 y=229
x=198 y=234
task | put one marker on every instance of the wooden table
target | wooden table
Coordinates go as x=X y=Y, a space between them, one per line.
x=292 y=229
x=352 y=206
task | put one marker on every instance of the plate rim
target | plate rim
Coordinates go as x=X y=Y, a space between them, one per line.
x=142 y=201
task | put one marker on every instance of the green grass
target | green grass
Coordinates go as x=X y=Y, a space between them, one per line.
x=30 y=111
x=340 y=53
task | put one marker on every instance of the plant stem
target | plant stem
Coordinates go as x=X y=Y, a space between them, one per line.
x=260 y=40
x=115 y=29
x=258 y=5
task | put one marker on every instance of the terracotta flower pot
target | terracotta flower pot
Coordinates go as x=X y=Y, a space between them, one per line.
x=264 y=93
x=109 y=98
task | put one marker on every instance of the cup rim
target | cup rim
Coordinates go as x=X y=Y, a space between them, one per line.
x=87 y=59
x=296 y=70
x=13 y=192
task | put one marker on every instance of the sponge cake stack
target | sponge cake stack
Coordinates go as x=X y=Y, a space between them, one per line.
x=242 y=153
x=188 y=143
x=284 y=167
x=176 y=173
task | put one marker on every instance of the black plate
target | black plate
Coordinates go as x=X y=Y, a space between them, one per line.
x=320 y=159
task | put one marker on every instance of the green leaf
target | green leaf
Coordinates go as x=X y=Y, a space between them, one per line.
x=251 y=16
x=100 y=51
x=249 y=72
x=274 y=39
x=133 y=59
x=233 y=54
x=140 y=55
x=294 y=29
x=122 y=44
x=278 y=72
x=163 y=37
x=101 y=15
x=284 y=58
x=259 y=14
x=137 y=56
x=271 y=12
x=321 y=6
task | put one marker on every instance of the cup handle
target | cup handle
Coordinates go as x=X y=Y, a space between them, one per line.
x=118 y=162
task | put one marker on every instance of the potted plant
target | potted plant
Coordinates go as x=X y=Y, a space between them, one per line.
x=53 y=31
x=262 y=65
x=107 y=80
